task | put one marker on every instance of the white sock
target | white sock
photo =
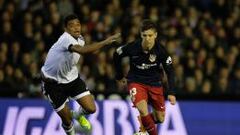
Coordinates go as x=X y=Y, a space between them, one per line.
x=69 y=129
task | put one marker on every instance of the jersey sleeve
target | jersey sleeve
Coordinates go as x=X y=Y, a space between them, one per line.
x=168 y=68
x=120 y=52
x=69 y=41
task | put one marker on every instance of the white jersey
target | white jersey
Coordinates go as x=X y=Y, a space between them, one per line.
x=61 y=64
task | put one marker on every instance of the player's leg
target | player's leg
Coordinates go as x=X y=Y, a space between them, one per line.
x=158 y=103
x=54 y=94
x=87 y=104
x=132 y=92
x=141 y=128
x=67 y=124
x=82 y=95
x=87 y=107
x=158 y=116
x=143 y=118
x=139 y=97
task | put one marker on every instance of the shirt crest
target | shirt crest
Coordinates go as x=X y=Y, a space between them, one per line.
x=152 y=57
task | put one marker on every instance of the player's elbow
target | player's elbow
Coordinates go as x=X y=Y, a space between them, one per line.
x=82 y=51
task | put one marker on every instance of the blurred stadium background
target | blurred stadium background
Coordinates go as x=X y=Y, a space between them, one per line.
x=203 y=37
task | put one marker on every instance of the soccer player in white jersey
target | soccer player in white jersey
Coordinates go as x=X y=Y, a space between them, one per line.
x=60 y=77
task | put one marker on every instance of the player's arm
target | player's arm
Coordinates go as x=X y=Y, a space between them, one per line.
x=168 y=68
x=120 y=52
x=95 y=46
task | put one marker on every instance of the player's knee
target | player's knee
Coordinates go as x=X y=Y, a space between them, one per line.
x=160 y=118
x=143 y=112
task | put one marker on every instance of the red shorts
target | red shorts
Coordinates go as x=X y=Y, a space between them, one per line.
x=152 y=94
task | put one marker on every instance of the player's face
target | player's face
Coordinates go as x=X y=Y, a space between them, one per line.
x=148 y=38
x=74 y=28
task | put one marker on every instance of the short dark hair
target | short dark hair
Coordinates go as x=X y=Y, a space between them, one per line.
x=147 y=24
x=69 y=18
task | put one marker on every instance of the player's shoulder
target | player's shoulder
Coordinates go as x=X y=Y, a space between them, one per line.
x=128 y=48
x=65 y=35
x=160 y=46
x=63 y=38
x=160 y=49
x=126 y=45
x=136 y=42
x=133 y=44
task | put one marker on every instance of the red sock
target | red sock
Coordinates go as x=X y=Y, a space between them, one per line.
x=149 y=125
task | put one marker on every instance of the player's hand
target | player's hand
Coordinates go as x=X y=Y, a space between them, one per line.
x=172 y=99
x=113 y=38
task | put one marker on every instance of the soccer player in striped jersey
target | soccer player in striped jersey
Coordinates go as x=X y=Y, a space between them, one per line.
x=146 y=57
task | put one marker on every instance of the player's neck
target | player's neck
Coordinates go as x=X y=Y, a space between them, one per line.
x=72 y=35
x=146 y=47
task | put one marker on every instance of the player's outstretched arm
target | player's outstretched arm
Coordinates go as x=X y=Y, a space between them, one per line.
x=95 y=46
